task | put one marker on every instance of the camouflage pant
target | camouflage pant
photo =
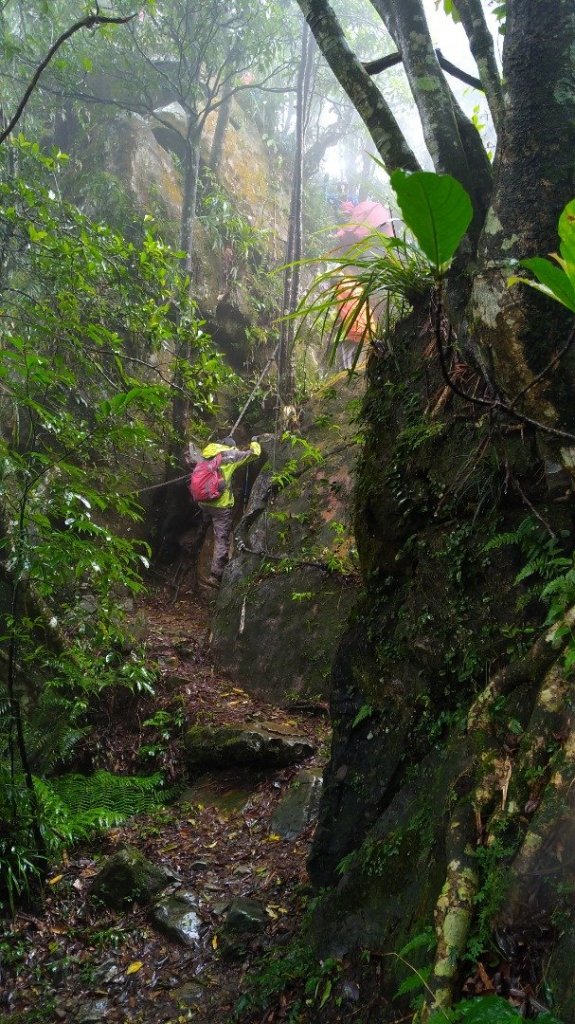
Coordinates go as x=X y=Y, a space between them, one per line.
x=223 y=524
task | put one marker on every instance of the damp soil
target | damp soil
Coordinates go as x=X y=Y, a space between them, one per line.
x=64 y=959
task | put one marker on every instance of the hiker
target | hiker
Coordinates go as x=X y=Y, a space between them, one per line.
x=357 y=317
x=221 y=509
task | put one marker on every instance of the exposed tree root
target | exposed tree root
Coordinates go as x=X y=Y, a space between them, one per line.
x=499 y=772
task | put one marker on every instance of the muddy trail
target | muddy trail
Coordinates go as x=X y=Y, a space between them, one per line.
x=68 y=958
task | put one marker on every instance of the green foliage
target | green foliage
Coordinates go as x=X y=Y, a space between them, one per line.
x=492 y=863
x=484 y=1010
x=499 y=10
x=417 y=977
x=550 y=576
x=450 y=9
x=292 y=973
x=307 y=455
x=541 y=551
x=69 y=809
x=556 y=280
x=226 y=226
x=365 y=711
x=88 y=319
x=437 y=209
x=389 y=274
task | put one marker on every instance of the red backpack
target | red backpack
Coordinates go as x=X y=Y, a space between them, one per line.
x=207 y=482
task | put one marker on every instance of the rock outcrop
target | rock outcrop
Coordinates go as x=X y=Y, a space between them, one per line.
x=287 y=592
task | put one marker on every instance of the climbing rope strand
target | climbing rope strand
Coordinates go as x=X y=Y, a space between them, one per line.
x=155 y=487
x=178 y=479
x=254 y=390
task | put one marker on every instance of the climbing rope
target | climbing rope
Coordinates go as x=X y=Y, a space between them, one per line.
x=255 y=389
x=178 y=479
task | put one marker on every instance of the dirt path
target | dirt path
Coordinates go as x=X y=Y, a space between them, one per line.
x=69 y=961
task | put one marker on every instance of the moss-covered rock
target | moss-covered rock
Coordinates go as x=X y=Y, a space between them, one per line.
x=127 y=877
x=442 y=501
x=287 y=593
x=248 y=746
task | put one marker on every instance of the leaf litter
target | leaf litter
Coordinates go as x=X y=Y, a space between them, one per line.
x=65 y=959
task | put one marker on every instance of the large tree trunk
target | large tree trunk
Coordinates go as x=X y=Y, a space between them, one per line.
x=452 y=766
x=515 y=331
x=222 y=123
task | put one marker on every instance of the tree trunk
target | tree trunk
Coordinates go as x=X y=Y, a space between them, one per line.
x=515 y=331
x=190 y=195
x=286 y=368
x=181 y=405
x=361 y=90
x=223 y=120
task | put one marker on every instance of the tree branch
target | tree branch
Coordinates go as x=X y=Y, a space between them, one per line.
x=481 y=46
x=361 y=90
x=375 y=67
x=90 y=21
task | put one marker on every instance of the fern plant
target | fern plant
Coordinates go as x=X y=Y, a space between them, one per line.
x=487 y=1009
x=71 y=809
x=389 y=274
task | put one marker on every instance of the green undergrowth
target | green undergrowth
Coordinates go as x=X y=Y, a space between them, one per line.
x=484 y=1010
x=294 y=975
x=70 y=809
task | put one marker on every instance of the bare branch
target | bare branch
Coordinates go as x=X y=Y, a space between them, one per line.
x=375 y=67
x=481 y=46
x=90 y=21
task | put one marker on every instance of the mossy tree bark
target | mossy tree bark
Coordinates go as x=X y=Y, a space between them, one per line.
x=437 y=479
x=361 y=90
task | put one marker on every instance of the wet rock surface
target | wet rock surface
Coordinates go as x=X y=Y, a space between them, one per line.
x=299 y=806
x=177 y=916
x=277 y=632
x=246 y=746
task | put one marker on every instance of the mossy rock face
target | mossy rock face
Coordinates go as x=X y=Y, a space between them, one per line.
x=247 y=746
x=127 y=877
x=379 y=901
x=275 y=645
x=278 y=621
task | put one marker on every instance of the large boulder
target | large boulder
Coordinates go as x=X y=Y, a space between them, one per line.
x=287 y=592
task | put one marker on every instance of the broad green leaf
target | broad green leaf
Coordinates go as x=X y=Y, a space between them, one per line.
x=449 y=8
x=567 y=236
x=438 y=211
x=551 y=280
